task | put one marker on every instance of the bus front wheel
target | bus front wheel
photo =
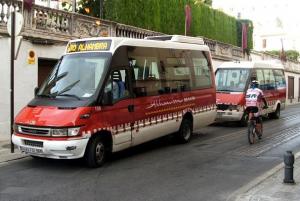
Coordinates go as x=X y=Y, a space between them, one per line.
x=96 y=152
x=276 y=114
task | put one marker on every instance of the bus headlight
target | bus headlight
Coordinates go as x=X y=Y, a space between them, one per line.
x=62 y=132
x=73 y=131
x=59 y=132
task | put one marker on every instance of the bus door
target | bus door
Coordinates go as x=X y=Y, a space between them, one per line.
x=118 y=116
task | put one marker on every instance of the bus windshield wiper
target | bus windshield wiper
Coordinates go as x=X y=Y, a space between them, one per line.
x=70 y=95
x=52 y=83
x=68 y=88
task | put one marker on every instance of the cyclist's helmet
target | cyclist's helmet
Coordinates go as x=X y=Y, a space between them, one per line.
x=254 y=84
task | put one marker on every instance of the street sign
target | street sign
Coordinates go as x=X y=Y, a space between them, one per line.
x=19 y=24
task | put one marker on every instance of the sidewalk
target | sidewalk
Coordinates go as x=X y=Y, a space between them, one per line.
x=5 y=154
x=270 y=186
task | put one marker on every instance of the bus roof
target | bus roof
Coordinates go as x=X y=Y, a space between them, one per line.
x=115 y=42
x=252 y=64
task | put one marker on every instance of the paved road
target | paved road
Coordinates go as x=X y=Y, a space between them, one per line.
x=212 y=166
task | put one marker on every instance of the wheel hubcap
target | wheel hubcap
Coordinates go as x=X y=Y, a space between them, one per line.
x=99 y=152
x=186 y=132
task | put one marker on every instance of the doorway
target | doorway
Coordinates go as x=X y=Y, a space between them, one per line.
x=45 y=66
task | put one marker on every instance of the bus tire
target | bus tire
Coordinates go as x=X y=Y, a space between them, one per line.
x=185 y=131
x=276 y=114
x=96 y=152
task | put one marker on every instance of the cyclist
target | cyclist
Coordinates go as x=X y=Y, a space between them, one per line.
x=254 y=97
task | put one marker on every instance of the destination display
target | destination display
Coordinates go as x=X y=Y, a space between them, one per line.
x=90 y=45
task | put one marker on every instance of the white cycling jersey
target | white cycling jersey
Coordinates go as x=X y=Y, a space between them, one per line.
x=254 y=97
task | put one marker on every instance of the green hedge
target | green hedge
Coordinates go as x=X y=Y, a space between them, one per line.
x=168 y=16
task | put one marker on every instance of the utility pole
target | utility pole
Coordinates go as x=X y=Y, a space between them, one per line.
x=12 y=66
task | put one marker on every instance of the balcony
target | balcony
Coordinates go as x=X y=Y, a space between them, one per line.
x=46 y=25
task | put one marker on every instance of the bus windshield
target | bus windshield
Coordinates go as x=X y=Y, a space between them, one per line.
x=76 y=76
x=231 y=80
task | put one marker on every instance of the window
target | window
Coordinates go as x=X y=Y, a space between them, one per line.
x=269 y=79
x=76 y=75
x=232 y=79
x=279 y=79
x=264 y=43
x=162 y=71
x=202 y=70
x=146 y=69
x=118 y=85
x=178 y=72
x=259 y=76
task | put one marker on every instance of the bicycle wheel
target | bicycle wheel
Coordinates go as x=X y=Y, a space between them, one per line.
x=251 y=133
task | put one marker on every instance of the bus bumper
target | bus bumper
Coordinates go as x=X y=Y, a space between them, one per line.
x=229 y=115
x=57 y=149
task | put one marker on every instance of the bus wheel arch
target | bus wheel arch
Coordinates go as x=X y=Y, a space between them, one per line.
x=185 y=131
x=98 y=149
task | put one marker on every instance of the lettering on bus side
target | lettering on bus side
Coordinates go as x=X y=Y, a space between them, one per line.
x=93 y=45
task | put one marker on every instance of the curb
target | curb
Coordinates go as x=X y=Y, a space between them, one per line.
x=258 y=180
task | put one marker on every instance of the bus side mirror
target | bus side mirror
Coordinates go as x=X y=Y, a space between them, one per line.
x=36 y=90
x=107 y=99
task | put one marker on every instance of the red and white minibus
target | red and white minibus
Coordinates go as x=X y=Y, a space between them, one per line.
x=232 y=82
x=108 y=94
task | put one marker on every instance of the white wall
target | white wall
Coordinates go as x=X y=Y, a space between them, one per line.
x=25 y=78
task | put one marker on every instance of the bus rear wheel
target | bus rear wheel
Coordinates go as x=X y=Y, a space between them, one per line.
x=185 y=131
x=96 y=152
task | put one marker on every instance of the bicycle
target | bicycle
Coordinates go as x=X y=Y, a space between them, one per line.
x=253 y=131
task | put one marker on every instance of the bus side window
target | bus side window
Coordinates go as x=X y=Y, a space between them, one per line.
x=202 y=70
x=260 y=78
x=269 y=79
x=279 y=79
x=118 y=85
x=146 y=71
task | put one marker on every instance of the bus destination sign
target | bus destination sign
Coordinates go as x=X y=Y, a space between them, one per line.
x=90 y=45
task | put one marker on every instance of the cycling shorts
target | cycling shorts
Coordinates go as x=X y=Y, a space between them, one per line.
x=252 y=109
x=255 y=111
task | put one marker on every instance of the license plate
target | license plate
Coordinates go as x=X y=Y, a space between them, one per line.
x=220 y=114
x=31 y=150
